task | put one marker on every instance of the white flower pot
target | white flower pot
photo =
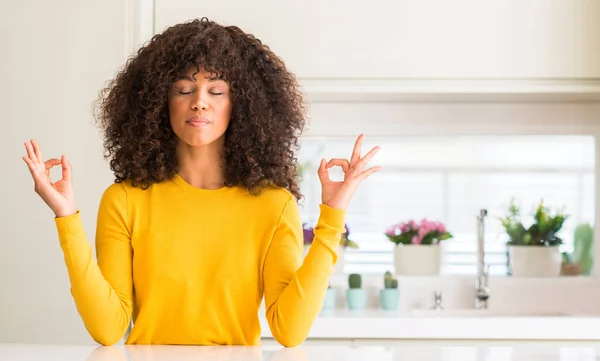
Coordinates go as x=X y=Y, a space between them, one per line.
x=534 y=261
x=417 y=260
x=339 y=265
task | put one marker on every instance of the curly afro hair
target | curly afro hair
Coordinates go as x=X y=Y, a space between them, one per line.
x=267 y=117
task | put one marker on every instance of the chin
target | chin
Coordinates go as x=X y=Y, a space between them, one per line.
x=200 y=141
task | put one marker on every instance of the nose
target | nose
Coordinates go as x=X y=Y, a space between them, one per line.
x=199 y=104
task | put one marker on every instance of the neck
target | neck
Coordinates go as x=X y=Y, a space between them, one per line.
x=201 y=166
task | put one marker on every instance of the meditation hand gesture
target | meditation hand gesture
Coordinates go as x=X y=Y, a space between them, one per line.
x=58 y=195
x=338 y=194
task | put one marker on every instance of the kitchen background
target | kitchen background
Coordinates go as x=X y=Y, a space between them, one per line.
x=449 y=179
x=474 y=103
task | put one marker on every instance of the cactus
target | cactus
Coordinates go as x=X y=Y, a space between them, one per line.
x=580 y=261
x=389 y=281
x=583 y=248
x=355 y=281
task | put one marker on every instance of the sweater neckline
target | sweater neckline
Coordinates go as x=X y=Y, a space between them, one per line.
x=190 y=188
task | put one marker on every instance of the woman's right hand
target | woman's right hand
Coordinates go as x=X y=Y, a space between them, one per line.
x=58 y=195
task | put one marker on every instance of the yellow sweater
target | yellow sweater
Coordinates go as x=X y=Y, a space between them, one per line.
x=191 y=265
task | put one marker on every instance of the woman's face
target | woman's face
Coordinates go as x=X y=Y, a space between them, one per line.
x=199 y=107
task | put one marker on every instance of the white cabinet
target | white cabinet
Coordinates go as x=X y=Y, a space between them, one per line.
x=415 y=39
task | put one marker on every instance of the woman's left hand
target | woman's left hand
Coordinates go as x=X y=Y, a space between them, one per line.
x=338 y=194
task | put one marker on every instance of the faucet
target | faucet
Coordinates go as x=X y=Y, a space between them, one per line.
x=437 y=303
x=482 y=290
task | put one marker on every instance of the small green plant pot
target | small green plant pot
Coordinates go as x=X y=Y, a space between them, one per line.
x=356 y=298
x=389 y=298
x=329 y=303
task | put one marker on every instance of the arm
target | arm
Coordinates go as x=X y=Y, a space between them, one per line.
x=102 y=291
x=295 y=291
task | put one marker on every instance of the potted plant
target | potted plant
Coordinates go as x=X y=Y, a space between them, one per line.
x=389 y=295
x=345 y=242
x=356 y=296
x=308 y=235
x=329 y=303
x=534 y=251
x=300 y=168
x=417 y=247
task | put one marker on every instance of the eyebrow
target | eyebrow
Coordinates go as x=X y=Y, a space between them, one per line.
x=185 y=77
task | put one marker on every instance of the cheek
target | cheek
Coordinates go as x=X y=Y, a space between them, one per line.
x=176 y=106
x=225 y=110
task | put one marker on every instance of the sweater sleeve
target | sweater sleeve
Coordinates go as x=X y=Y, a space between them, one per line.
x=295 y=290
x=102 y=290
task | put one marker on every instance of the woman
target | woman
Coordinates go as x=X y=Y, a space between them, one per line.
x=202 y=220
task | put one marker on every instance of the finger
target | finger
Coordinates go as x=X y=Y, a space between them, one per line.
x=66 y=168
x=31 y=152
x=36 y=149
x=367 y=158
x=51 y=163
x=339 y=162
x=31 y=166
x=323 y=172
x=364 y=174
x=357 y=149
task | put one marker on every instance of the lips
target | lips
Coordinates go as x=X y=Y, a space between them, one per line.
x=198 y=122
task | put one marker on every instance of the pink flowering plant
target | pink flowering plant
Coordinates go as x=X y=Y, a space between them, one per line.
x=424 y=232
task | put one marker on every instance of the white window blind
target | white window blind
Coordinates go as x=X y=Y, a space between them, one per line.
x=449 y=179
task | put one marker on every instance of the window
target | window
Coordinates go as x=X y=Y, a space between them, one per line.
x=450 y=178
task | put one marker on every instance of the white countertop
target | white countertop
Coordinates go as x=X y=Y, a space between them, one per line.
x=408 y=351
x=468 y=324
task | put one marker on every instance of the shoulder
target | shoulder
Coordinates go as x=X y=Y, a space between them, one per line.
x=276 y=197
x=115 y=191
x=121 y=191
x=277 y=203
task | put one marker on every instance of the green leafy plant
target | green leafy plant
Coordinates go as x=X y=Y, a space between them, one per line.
x=389 y=281
x=355 y=281
x=301 y=168
x=345 y=241
x=542 y=232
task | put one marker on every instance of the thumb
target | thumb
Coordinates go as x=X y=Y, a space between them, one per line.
x=66 y=168
x=323 y=172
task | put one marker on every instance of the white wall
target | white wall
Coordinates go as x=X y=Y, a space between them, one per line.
x=56 y=55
